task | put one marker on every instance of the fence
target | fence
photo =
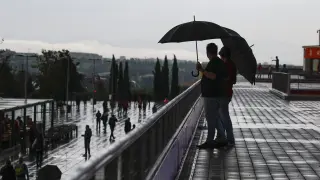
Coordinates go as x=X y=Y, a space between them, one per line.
x=281 y=82
x=134 y=155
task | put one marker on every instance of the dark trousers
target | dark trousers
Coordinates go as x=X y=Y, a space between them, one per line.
x=87 y=147
x=98 y=123
x=39 y=155
x=112 y=129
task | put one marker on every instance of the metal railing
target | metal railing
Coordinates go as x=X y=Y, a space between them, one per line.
x=132 y=156
x=281 y=82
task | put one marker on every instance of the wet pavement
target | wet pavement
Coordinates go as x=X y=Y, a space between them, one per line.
x=275 y=139
x=69 y=155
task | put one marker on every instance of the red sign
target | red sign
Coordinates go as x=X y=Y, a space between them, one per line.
x=312 y=53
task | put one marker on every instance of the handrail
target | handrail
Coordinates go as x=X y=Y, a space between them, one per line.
x=87 y=170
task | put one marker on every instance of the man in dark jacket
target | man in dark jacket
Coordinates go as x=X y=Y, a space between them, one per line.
x=98 y=117
x=87 y=139
x=213 y=89
x=7 y=171
x=112 y=124
x=39 y=143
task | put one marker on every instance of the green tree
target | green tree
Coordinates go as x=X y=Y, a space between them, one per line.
x=52 y=79
x=113 y=77
x=165 y=79
x=120 y=89
x=157 y=81
x=8 y=84
x=126 y=82
x=174 y=79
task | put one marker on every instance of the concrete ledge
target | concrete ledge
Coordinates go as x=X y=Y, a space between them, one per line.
x=294 y=97
x=279 y=94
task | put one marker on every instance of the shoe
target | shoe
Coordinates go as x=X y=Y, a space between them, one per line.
x=231 y=143
x=205 y=145
x=84 y=155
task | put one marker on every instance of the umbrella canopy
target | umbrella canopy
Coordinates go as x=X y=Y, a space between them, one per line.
x=241 y=53
x=49 y=172
x=194 y=31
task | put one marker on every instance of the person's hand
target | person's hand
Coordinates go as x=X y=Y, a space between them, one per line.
x=199 y=67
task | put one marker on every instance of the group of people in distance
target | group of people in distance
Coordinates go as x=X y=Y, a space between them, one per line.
x=112 y=124
x=217 y=81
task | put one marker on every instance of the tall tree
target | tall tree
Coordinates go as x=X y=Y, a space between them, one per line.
x=53 y=71
x=174 y=79
x=157 y=81
x=20 y=79
x=126 y=82
x=120 y=89
x=113 y=77
x=8 y=83
x=165 y=78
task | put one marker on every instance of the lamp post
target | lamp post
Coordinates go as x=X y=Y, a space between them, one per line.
x=318 y=31
x=26 y=72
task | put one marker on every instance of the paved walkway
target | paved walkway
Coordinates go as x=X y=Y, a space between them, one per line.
x=275 y=139
x=69 y=155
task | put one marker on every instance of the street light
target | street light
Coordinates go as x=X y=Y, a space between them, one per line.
x=318 y=31
x=26 y=72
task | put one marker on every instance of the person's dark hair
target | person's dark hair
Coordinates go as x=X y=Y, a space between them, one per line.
x=212 y=48
x=225 y=52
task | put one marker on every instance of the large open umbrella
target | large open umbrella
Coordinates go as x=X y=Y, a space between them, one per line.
x=241 y=55
x=49 y=172
x=202 y=30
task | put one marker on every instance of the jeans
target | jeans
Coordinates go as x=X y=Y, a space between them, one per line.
x=87 y=147
x=226 y=120
x=211 y=107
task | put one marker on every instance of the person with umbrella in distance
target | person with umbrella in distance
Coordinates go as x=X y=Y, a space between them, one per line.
x=112 y=124
x=21 y=169
x=87 y=138
x=213 y=91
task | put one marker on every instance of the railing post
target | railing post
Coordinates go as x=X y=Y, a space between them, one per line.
x=119 y=168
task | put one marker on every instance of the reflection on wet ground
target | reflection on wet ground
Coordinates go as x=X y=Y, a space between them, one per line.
x=275 y=139
x=69 y=155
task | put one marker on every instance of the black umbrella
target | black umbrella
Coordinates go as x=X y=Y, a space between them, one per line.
x=202 y=30
x=49 y=172
x=241 y=55
x=194 y=31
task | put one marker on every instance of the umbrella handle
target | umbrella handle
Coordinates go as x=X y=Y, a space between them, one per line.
x=195 y=75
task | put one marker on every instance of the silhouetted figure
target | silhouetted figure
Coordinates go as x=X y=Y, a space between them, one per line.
x=125 y=107
x=104 y=120
x=105 y=106
x=127 y=126
x=144 y=105
x=269 y=72
x=98 y=119
x=38 y=146
x=154 y=109
x=259 y=71
x=112 y=124
x=7 y=171
x=112 y=105
x=284 y=69
x=133 y=127
x=277 y=63
x=87 y=138
x=21 y=169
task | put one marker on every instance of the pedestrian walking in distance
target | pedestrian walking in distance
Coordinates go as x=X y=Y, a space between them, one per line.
x=112 y=124
x=87 y=138
x=98 y=117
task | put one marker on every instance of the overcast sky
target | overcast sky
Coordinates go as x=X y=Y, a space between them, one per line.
x=133 y=27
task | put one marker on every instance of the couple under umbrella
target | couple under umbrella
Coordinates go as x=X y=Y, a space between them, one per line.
x=241 y=53
x=219 y=74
